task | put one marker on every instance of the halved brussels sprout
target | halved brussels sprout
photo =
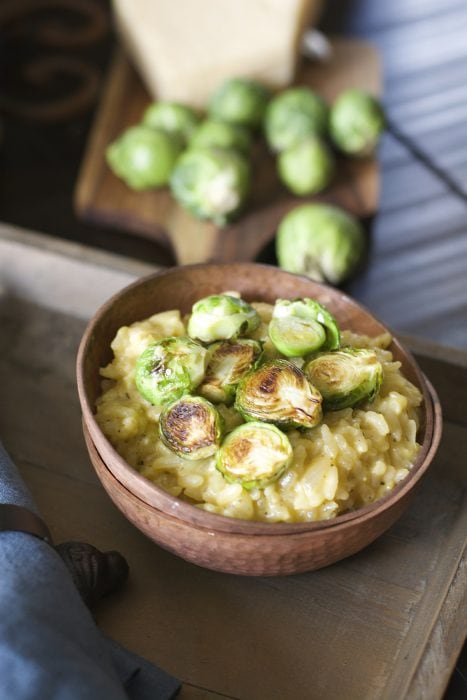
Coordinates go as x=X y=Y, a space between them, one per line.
x=279 y=392
x=191 y=427
x=173 y=118
x=345 y=377
x=221 y=317
x=213 y=133
x=294 y=115
x=228 y=361
x=254 y=455
x=211 y=183
x=239 y=101
x=301 y=326
x=143 y=157
x=169 y=368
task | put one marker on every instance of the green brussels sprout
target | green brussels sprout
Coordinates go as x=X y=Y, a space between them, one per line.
x=294 y=115
x=170 y=368
x=345 y=377
x=279 y=392
x=221 y=317
x=191 y=427
x=213 y=133
x=301 y=326
x=228 y=361
x=307 y=167
x=172 y=117
x=212 y=183
x=254 y=455
x=321 y=241
x=143 y=157
x=356 y=123
x=239 y=101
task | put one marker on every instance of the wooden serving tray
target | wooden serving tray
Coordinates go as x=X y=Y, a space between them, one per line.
x=386 y=623
x=102 y=198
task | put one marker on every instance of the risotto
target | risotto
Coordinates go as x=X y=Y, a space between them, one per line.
x=353 y=457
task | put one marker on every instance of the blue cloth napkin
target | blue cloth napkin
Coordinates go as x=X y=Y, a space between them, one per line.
x=50 y=647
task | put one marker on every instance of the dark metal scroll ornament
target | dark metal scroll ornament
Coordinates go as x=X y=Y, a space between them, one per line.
x=44 y=76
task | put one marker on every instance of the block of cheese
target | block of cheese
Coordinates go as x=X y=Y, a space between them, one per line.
x=184 y=49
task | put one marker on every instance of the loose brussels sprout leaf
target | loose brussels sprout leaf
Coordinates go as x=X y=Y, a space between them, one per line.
x=169 y=368
x=172 y=117
x=294 y=115
x=144 y=157
x=279 y=392
x=320 y=241
x=214 y=133
x=191 y=427
x=212 y=183
x=345 y=377
x=239 y=101
x=254 y=455
x=301 y=326
x=356 y=123
x=307 y=167
x=221 y=317
x=228 y=362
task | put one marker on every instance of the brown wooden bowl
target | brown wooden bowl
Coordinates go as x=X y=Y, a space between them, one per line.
x=208 y=539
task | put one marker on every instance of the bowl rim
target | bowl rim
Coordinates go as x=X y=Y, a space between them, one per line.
x=155 y=496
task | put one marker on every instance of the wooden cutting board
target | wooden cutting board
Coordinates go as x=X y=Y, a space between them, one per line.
x=102 y=198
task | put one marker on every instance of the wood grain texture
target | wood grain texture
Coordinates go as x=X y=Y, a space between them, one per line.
x=101 y=198
x=380 y=621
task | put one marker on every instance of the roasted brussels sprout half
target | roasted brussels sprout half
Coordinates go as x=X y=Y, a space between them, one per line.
x=172 y=117
x=169 y=368
x=294 y=115
x=254 y=455
x=239 y=101
x=301 y=326
x=212 y=183
x=279 y=392
x=307 y=167
x=191 y=427
x=345 y=377
x=356 y=123
x=221 y=317
x=228 y=361
x=144 y=157
x=321 y=241
x=214 y=133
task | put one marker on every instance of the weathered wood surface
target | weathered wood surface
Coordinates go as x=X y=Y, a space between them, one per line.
x=386 y=623
x=102 y=198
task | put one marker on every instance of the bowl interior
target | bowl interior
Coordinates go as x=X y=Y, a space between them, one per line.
x=179 y=288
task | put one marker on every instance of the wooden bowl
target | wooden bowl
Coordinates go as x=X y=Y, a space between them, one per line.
x=211 y=540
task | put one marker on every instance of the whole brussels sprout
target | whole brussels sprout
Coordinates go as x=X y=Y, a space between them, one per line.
x=213 y=133
x=144 y=157
x=169 y=368
x=239 y=101
x=221 y=317
x=172 y=117
x=212 y=183
x=279 y=392
x=307 y=167
x=321 y=241
x=356 y=123
x=191 y=427
x=345 y=377
x=228 y=362
x=301 y=326
x=294 y=115
x=254 y=455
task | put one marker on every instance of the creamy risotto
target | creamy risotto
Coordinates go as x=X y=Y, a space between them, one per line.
x=353 y=457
